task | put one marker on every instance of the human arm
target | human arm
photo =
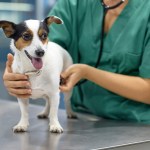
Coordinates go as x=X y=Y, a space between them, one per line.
x=16 y=84
x=131 y=87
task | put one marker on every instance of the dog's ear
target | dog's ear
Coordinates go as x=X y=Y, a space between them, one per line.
x=8 y=28
x=52 y=19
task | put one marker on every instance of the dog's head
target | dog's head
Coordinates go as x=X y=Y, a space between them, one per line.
x=30 y=38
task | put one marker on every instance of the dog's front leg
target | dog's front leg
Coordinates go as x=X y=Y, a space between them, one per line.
x=24 y=121
x=54 y=125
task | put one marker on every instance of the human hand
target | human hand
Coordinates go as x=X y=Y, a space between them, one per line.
x=72 y=75
x=16 y=84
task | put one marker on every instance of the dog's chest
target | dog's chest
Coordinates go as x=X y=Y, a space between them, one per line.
x=37 y=93
x=37 y=88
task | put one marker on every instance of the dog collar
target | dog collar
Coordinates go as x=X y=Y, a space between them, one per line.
x=34 y=72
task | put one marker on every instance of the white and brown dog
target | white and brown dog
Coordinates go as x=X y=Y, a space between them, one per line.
x=43 y=62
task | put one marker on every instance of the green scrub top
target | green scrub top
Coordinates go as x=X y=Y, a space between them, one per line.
x=126 y=51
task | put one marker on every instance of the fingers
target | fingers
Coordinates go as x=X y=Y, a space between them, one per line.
x=17 y=84
x=19 y=91
x=9 y=62
x=25 y=96
x=69 y=83
x=66 y=87
x=18 y=88
x=72 y=75
x=23 y=93
x=66 y=74
x=14 y=77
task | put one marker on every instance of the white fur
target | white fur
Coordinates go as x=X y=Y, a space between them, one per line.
x=45 y=85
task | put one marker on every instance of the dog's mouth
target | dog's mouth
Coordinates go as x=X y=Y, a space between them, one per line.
x=36 y=62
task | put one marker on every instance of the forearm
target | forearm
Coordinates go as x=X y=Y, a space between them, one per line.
x=131 y=87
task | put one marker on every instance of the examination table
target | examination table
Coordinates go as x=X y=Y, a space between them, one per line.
x=86 y=133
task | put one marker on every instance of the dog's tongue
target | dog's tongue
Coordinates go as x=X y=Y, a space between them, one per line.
x=37 y=63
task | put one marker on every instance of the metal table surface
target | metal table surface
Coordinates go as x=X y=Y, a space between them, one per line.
x=85 y=133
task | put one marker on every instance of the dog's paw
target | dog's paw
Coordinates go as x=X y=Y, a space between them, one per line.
x=55 y=129
x=20 y=128
x=42 y=116
x=71 y=115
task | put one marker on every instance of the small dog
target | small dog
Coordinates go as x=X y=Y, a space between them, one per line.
x=43 y=61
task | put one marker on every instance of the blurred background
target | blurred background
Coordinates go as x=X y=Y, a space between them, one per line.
x=18 y=11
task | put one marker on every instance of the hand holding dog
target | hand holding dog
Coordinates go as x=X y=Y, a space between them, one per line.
x=72 y=75
x=16 y=84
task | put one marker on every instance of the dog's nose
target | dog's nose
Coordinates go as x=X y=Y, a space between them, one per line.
x=39 y=52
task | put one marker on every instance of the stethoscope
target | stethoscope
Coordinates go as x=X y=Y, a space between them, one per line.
x=105 y=9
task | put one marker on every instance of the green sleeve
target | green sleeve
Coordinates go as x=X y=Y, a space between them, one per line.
x=61 y=34
x=144 y=70
x=66 y=34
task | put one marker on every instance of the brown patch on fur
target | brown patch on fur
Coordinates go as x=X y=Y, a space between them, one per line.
x=40 y=33
x=46 y=41
x=21 y=43
x=7 y=27
x=52 y=19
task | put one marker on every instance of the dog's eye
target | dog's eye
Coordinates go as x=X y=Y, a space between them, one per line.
x=43 y=36
x=27 y=37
